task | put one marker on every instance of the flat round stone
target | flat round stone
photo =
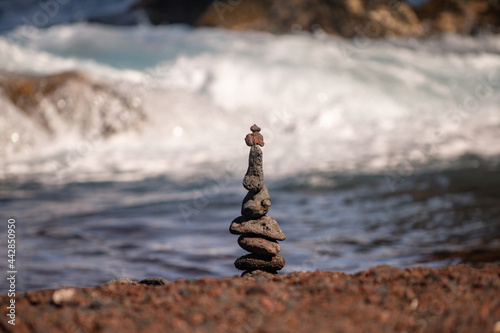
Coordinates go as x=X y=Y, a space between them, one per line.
x=265 y=226
x=256 y=244
x=267 y=263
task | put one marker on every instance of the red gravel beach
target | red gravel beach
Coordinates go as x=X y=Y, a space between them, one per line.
x=383 y=299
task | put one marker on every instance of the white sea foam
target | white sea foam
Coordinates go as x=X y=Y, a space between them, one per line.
x=324 y=103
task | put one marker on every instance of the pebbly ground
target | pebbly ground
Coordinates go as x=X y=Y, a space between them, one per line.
x=383 y=299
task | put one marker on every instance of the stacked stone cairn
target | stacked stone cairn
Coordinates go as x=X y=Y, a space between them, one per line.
x=259 y=232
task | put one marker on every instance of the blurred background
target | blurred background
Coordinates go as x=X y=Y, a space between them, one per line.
x=122 y=133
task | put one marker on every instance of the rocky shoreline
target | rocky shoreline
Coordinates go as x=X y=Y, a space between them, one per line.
x=382 y=299
x=347 y=18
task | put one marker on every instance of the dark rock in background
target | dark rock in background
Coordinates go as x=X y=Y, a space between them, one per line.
x=173 y=11
x=460 y=16
x=347 y=18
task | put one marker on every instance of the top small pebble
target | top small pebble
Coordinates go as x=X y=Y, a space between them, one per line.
x=254 y=138
x=255 y=128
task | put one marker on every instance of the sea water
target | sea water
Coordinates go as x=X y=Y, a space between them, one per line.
x=377 y=151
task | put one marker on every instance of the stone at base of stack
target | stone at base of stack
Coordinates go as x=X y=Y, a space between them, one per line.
x=259 y=232
x=254 y=261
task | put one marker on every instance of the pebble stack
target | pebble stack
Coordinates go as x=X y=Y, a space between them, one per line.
x=259 y=232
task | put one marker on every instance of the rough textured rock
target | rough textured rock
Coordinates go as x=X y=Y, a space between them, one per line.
x=265 y=226
x=154 y=281
x=84 y=105
x=458 y=299
x=460 y=16
x=120 y=280
x=258 y=274
x=256 y=244
x=253 y=261
x=254 y=178
x=347 y=18
x=254 y=128
x=256 y=204
x=254 y=138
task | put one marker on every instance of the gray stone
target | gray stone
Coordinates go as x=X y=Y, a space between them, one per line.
x=252 y=262
x=119 y=280
x=256 y=204
x=154 y=281
x=254 y=178
x=256 y=244
x=258 y=274
x=265 y=226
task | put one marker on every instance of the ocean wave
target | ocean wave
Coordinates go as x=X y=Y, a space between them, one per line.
x=324 y=103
